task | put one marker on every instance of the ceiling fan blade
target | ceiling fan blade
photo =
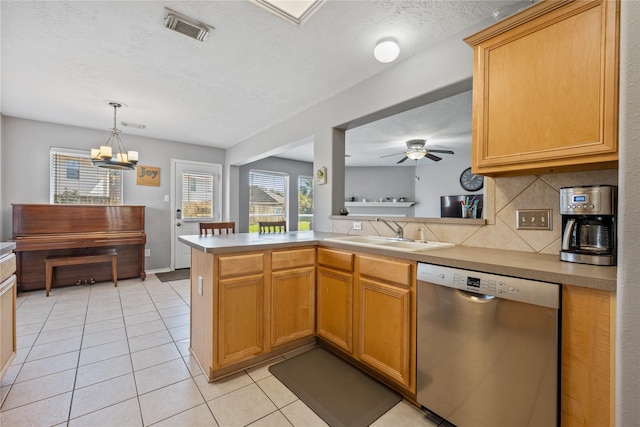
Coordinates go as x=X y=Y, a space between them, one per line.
x=390 y=155
x=402 y=160
x=441 y=151
x=432 y=157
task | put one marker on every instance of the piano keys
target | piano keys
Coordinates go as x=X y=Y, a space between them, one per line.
x=42 y=230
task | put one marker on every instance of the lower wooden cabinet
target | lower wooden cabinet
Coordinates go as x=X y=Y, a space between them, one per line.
x=385 y=305
x=335 y=307
x=335 y=298
x=292 y=299
x=587 y=362
x=240 y=318
x=384 y=331
x=366 y=310
x=250 y=306
x=7 y=312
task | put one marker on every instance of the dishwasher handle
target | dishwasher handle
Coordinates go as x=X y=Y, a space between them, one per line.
x=475 y=297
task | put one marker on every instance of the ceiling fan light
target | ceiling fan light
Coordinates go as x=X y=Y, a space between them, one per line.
x=386 y=51
x=416 y=155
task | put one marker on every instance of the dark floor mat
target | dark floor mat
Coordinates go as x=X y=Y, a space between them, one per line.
x=339 y=393
x=183 y=273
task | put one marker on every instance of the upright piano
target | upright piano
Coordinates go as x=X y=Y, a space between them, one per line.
x=43 y=230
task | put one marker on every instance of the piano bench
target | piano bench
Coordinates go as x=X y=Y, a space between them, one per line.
x=60 y=260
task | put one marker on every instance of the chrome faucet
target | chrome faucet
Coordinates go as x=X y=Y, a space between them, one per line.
x=399 y=232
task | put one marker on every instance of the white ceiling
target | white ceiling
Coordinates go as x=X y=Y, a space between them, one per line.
x=61 y=60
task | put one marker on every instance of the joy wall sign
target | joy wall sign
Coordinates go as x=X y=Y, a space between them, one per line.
x=148 y=175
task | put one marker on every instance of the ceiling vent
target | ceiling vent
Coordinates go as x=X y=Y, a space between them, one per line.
x=184 y=25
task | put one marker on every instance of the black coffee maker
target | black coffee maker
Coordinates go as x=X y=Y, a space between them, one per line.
x=589 y=224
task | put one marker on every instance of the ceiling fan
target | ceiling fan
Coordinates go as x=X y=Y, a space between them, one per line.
x=416 y=151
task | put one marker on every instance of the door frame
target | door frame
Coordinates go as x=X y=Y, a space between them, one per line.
x=173 y=207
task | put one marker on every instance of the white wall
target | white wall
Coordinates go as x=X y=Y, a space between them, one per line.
x=448 y=64
x=628 y=314
x=372 y=183
x=439 y=179
x=25 y=172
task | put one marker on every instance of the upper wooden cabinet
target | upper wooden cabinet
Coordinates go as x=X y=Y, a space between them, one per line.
x=545 y=89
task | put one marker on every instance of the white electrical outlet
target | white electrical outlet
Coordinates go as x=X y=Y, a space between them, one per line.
x=357 y=225
x=147 y=252
x=166 y=197
x=200 y=285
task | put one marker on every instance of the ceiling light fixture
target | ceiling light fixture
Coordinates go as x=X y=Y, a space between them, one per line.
x=416 y=154
x=104 y=157
x=386 y=51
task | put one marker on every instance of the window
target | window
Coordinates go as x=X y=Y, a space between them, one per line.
x=267 y=197
x=73 y=169
x=74 y=180
x=305 y=203
x=197 y=195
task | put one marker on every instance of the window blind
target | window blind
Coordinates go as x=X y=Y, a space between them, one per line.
x=267 y=196
x=74 y=180
x=197 y=195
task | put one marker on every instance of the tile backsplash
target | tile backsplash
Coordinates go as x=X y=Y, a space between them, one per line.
x=511 y=193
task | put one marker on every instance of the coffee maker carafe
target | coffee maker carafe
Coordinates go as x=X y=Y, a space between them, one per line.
x=589 y=224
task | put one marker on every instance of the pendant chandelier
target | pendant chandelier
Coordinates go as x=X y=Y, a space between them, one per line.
x=104 y=157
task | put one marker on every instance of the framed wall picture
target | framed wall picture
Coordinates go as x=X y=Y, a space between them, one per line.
x=321 y=176
x=148 y=175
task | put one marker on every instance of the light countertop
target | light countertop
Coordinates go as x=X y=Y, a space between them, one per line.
x=525 y=265
x=6 y=248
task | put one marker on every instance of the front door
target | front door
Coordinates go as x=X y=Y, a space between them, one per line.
x=197 y=197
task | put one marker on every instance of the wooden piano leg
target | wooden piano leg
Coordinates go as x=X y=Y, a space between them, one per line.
x=48 y=275
x=114 y=270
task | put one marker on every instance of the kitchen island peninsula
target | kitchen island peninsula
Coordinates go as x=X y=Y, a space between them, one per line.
x=258 y=296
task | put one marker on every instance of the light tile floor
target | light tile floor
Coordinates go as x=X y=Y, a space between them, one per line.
x=104 y=356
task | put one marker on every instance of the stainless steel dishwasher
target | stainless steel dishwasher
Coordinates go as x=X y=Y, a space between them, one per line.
x=487 y=348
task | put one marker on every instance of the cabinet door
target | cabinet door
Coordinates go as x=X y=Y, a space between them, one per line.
x=7 y=323
x=335 y=307
x=545 y=90
x=588 y=343
x=241 y=318
x=292 y=305
x=384 y=332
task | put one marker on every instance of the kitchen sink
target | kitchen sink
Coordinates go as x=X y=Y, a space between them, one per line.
x=388 y=243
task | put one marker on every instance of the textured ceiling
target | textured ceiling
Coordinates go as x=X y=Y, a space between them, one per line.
x=61 y=60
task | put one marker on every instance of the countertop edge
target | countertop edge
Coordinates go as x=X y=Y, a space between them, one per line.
x=527 y=265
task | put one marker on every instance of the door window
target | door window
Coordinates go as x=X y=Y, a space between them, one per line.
x=197 y=195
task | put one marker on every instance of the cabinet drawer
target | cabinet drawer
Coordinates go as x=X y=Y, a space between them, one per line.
x=293 y=258
x=335 y=259
x=385 y=269
x=240 y=265
x=7 y=267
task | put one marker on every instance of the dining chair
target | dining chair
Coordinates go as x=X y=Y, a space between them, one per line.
x=214 y=228
x=272 y=227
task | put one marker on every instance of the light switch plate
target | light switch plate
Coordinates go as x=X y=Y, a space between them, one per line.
x=533 y=219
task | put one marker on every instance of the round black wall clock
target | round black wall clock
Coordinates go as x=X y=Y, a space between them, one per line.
x=470 y=181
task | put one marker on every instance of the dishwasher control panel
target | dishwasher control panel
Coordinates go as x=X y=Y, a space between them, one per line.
x=512 y=288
